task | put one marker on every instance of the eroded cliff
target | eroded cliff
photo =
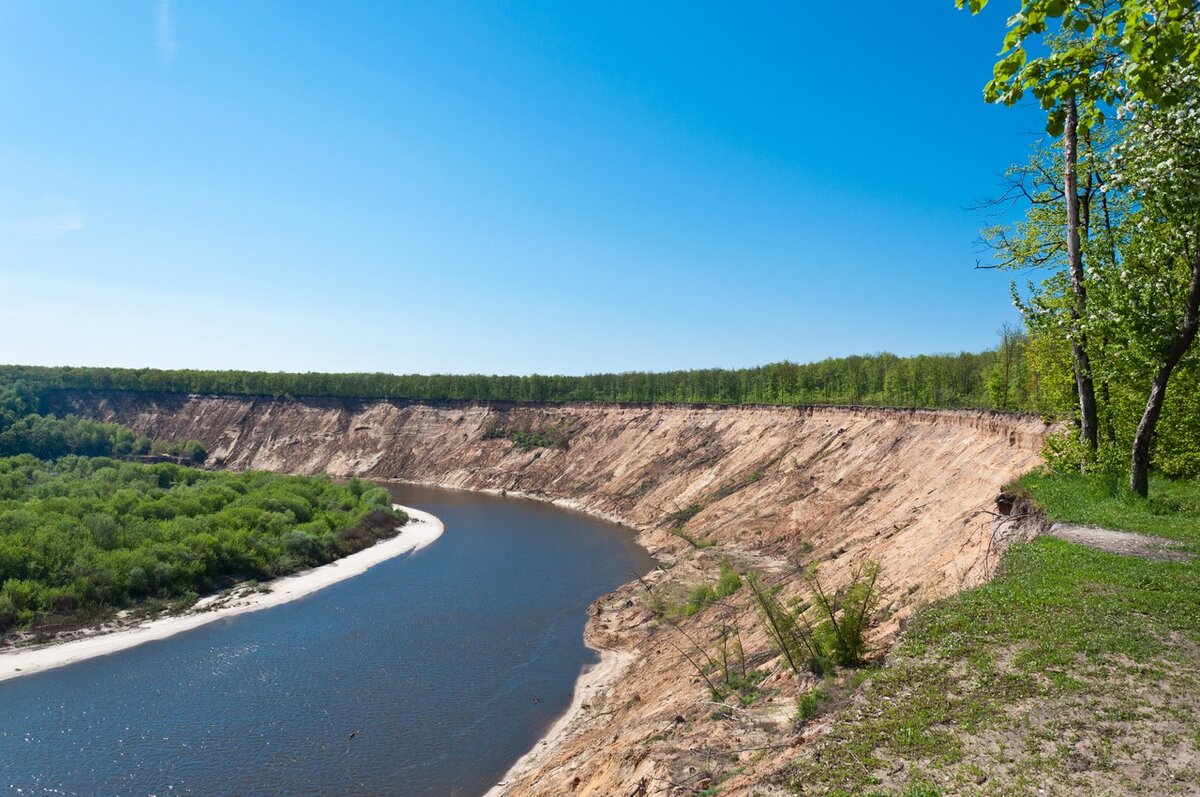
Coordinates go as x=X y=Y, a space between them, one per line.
x=769 y=488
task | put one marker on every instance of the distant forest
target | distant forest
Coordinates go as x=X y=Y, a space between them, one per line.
x=996 y=379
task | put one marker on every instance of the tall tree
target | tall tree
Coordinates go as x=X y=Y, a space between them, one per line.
x=1094 y=54
x=1070 y=80
x=1160 y=164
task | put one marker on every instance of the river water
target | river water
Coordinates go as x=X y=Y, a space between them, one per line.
x=430 y=674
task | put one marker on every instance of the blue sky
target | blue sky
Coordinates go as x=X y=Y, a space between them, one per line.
x=551 y=187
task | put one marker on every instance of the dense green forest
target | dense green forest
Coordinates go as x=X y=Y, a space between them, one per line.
x=83 y=533
x=24 y=431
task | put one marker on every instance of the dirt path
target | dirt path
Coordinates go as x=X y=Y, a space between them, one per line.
x=1125 y=543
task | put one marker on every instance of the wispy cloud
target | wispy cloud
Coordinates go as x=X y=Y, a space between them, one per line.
x=49 y=227
x=164 y=31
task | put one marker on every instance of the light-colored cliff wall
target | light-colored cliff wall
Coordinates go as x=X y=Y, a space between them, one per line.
x=776 y=487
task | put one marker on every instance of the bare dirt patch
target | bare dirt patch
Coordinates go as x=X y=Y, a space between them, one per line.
x=1125 y=543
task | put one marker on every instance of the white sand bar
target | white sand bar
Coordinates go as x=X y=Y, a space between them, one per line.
x=422 y=529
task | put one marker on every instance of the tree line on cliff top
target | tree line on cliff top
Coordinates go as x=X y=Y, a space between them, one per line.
x=1025 y=373
x=968 y=380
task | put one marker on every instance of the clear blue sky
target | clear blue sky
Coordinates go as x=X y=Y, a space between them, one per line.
x=555 y=187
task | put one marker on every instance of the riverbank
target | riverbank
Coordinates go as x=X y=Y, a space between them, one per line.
x=421 y=530
x=909 y=489
x=593 y=679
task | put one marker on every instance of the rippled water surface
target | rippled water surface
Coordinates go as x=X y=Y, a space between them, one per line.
x=428 y=675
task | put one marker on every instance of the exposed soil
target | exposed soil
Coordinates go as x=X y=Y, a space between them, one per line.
x=769 y=488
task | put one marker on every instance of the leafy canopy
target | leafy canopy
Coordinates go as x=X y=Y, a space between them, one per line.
x=1093 y=50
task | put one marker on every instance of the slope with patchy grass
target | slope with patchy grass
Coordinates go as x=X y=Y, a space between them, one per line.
x=1074 y=672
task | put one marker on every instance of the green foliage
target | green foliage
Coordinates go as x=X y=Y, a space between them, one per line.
x=46 y=436
x=942 y=380
x=789 y=630
x=922 y=790
x=728 y=583
x=839 y=632
x=529 y=438
x=729 y=675
x=682 y=533
x=1091 y=50
x=681 y=516
x=86 y=535
x=1134 y=181
x=1137 y=274
x=809 y=704
x=192 y=451
x=1172 y=510
x=1063 y=450
x=848 y=614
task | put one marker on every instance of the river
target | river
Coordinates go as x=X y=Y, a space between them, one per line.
x=430 y=674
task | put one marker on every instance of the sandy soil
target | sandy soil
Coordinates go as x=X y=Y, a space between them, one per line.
x=422 y=529
x=773 y=489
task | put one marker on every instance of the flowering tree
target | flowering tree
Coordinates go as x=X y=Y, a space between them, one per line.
x=1155 y=295
x=1134 y=289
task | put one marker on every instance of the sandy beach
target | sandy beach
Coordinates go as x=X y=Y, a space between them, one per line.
x=422 y=530
x=596 y=678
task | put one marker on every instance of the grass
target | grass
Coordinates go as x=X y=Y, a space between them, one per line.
x=1073 y=671
x=728 y=582
x=682 y=516
x=1172 y=510
x=529 y=438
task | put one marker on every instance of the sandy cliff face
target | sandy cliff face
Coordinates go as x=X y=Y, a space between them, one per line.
x=773 y=488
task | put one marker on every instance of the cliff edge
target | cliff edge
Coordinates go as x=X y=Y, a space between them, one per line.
x=767 y=488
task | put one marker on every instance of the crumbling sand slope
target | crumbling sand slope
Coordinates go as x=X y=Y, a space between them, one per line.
x=772 y=487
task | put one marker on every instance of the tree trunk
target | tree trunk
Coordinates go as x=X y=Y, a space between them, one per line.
x=1109 y=430
x=1139 y=479
x=1082 y=366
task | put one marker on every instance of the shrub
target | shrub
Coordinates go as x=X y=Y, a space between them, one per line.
x=789 y=630
x=729 y=581
x=8 y=613
x=193 y=451
x=681 y=516
x=840 y=632
x=848 y=617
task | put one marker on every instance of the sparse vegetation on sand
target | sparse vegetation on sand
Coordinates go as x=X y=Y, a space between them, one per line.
x=527 y=438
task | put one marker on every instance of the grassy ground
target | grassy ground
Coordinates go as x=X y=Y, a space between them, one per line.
x=1172 y=510
x=1074 y=672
